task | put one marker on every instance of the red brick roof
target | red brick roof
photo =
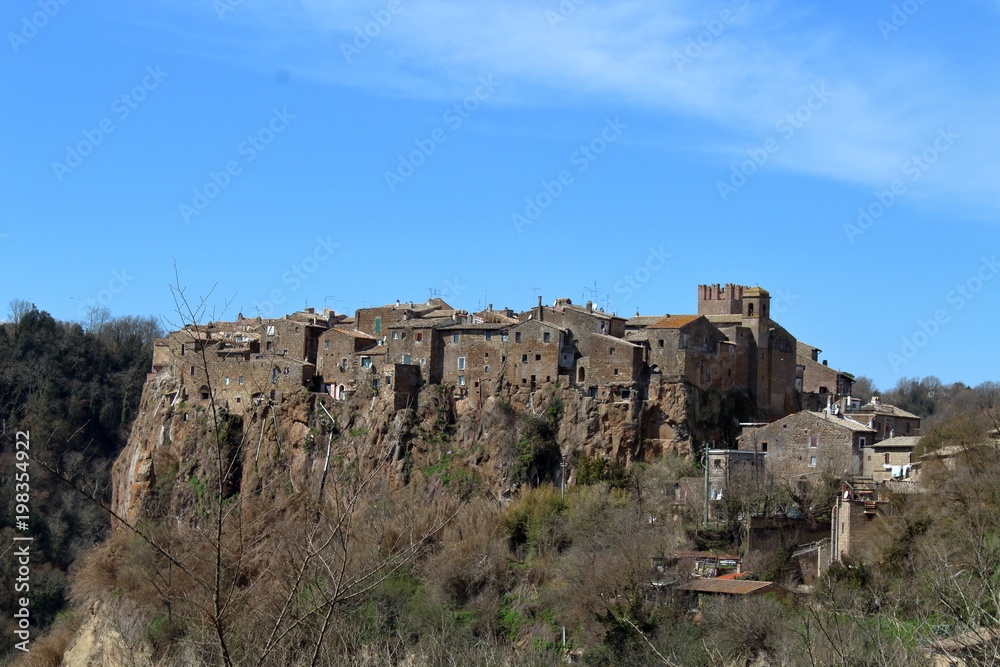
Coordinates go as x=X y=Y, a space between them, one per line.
x=674 y=321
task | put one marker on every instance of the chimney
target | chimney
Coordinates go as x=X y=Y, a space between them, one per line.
x=590 y=306
x=876 y=401
x=490 y=308
x=541 y=309
x=311 y=310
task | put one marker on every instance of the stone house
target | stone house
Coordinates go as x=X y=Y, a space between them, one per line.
x=375 y=320
x=613 y=369
x=807 y=443
x=886 y=420
x=533 y=352
x=689 y=347
x=474 y=356
x=338 y=361
x=891 y=458
x=820 y=385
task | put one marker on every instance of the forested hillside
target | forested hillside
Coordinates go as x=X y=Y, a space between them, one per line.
x=76 y=390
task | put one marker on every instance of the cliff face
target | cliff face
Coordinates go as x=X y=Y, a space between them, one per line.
x=174 y=454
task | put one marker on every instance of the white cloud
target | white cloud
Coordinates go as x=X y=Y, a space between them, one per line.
x=761 y=65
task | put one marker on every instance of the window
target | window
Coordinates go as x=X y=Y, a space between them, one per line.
x=407 y=359
x=326 y=345
x=489 y=335
x=366 y=362
x=419 y=337
x=862 y=441
x=423 y=361
x=226 y=381
x=378 y=325
x=546 y=337
x=812 y=461
x=182 y=350
x=461 y=380
x=887 y=458
x=269 y=346
x=750 y=310
x=524 y=358
x=192 y=370
x=395 y=335
x=239 y=399
x=684 y=341
x=907 y=427
x=813 y=441
x=456 y=338
x=403 y=335
x=763 y=446
x=581 y=375
x=375 y=383
x=240 y=381
x=270 y=329
x=517 y=336
x=284 y=353
x=661 y=342
x=486 y=369
x=616 y=371
x=503 y=338
x=461 y=363
x=538 y=357
x=296 y=328
x=611 y=351
x=716 y=463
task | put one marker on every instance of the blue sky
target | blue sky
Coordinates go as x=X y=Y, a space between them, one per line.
x=844 y=156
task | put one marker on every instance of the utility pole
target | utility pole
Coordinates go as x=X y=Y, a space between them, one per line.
x=562 y=477
x=704 y=458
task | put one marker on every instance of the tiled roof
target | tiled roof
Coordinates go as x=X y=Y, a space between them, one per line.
x=482 y=326
x=731 y=586
x=355 y=333
x=883 y=409
x=643 y=320
x=423 y=323
x=674 y=321
x=908 y=441
x=614 y=339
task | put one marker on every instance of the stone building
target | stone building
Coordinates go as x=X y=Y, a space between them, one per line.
x=806 y=444
x=375 y=320
x=743 y=314
x=886 y=420
x=820 y=385
x=891 y=458
x=731 y=345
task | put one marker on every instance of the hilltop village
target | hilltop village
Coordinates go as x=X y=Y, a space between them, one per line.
x=730 y=344
x=797 y=417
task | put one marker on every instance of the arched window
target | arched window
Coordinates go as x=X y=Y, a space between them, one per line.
x=750 y=310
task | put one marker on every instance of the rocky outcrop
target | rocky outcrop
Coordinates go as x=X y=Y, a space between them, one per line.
x=178 y=450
